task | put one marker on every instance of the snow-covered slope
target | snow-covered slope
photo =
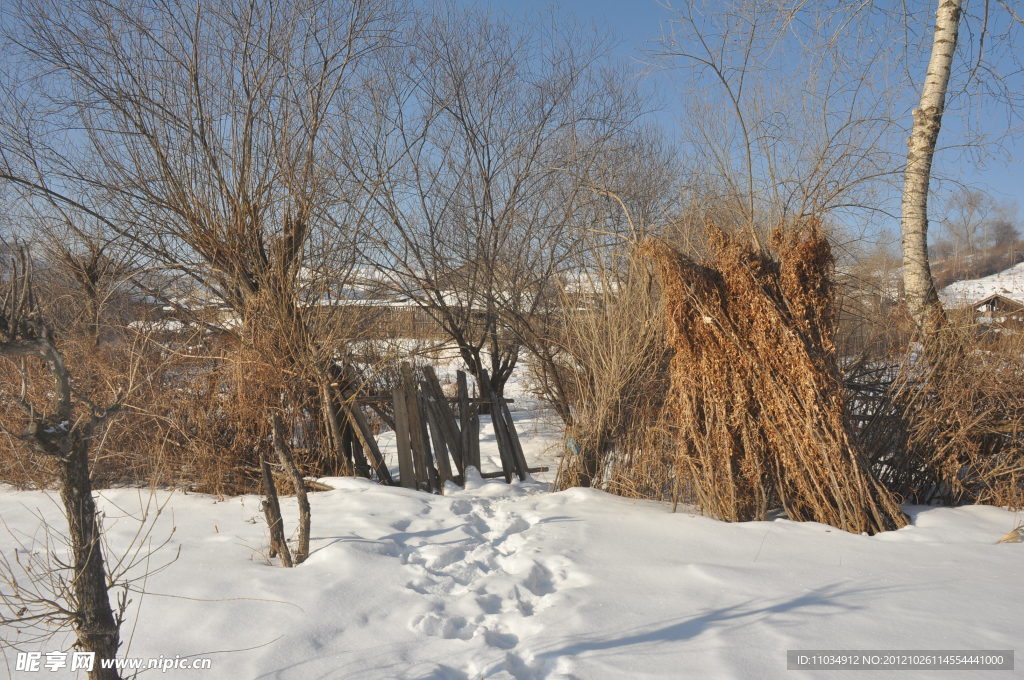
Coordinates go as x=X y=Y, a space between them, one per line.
x=510 y=582
x=1009 y=283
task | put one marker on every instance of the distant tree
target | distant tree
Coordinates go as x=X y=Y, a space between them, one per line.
x=1003 y=233
x=966 y=220
x=483 y=139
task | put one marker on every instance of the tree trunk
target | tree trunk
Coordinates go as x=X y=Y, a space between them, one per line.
x=96 y=627
x=272 y=511
x=66 y=438
x=335 y=433
x=922 y=300
x=284 y=455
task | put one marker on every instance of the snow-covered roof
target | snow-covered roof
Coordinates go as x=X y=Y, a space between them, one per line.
x=157 y=325
x=327 y=301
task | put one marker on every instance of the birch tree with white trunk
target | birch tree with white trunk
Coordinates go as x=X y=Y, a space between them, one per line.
x=922 y=299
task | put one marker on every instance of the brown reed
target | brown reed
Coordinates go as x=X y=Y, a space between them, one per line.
x=756 y=407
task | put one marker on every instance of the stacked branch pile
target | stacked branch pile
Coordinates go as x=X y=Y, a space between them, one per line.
x=756 y=405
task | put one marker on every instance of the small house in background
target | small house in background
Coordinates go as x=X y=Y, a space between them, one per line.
x=999 y=310
x=384 y=318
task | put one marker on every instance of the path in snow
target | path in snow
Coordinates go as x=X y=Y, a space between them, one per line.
x=489 y=585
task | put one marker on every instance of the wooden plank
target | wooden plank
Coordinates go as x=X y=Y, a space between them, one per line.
x=432 y=383
x=362 y=466
x=437 y=436
x=474 y=440
x=469 y=420
x=508 y=465
x=465 y=427
x=406 y=470
x=452 y=437
x=517 y=447
x=500 y=436
x=365 y=436
x=445 y=419
x=433 y=481
x=495 y=475
x=416 y=425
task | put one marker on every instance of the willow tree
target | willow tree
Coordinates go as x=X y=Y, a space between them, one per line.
x=205 y=135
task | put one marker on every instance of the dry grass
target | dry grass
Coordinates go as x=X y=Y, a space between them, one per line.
x=103 y=370
x=949 y=427
x=713 y=382
x=195 y=418
x=614 y=363
x=756 y=408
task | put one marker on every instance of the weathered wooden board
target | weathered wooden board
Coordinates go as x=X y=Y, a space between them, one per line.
x=406 y=470
x=365 y=436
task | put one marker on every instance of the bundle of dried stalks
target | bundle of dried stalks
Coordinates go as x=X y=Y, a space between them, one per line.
x=756 y=402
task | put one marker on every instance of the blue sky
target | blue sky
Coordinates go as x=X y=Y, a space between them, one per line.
x=997 y=169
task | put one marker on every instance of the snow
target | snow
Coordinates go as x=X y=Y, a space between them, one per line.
x=157 y=325
x=514 y=582
x=1008 y=283
x=509 y=581
x=356 y=298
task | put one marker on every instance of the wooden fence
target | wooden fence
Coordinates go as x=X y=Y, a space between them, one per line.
x=438 y=437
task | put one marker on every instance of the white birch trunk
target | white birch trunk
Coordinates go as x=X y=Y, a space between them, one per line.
x=922 y=300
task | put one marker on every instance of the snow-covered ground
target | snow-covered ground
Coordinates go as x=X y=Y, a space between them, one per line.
x=499 y=581
x=1009 y=283
x=508 y=582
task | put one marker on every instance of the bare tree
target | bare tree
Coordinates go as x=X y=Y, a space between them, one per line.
x=208 y=141
x=88 y=277
x=808 y=103
x=484 y=136
x=781 y=120
x=636 y=189
x=965 y=220
x=63 y=425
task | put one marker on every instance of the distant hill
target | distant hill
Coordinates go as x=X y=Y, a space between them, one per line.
x=1009 y=283
x=949 y=267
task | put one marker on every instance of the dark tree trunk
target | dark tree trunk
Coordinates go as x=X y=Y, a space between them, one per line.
x=272 y=511
x=65 y=436
x=287 y=460
x=96 y=627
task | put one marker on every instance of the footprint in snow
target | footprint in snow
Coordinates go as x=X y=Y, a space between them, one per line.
x=487 y=586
